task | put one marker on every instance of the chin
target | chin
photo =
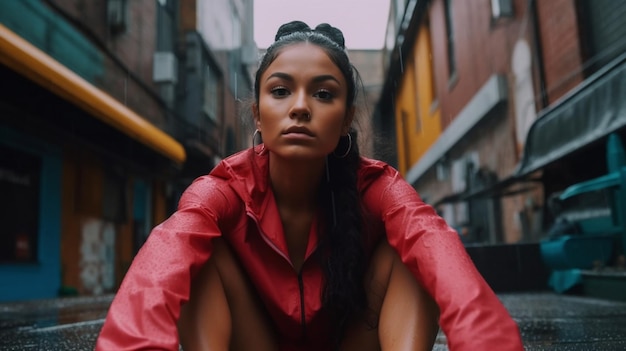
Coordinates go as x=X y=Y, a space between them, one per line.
x=298 y=154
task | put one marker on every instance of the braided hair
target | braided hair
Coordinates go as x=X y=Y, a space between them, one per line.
x=342 y=243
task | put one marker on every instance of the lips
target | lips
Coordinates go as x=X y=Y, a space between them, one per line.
x=298 y=130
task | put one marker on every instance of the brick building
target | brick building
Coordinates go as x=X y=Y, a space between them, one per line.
x=108 y=109
x=496 y=105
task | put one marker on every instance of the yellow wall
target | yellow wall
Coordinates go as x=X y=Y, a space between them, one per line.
x=418 y=118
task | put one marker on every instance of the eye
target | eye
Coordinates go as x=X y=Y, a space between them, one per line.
x=324 y=94
x=279 y=91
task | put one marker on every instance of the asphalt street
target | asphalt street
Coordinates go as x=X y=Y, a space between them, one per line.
x=547 y=321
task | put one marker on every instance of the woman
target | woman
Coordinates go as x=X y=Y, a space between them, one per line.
x=299 y=243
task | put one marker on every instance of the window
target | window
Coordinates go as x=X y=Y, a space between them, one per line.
x=406 y=136
x=603 y=33
x=211 y=93
x=166 y=26
x=434 y=103
x=450 y=34
x=117 y=16
x=142 y=212
x=414 y=70
x=20 y=175
x=114 y=198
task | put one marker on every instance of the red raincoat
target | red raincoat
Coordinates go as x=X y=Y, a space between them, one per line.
x=235 y=201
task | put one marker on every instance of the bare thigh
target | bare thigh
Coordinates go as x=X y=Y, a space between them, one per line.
x=224 y=312
x=401 y=314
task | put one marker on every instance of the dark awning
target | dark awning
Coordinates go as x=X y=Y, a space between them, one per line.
x=594 y=109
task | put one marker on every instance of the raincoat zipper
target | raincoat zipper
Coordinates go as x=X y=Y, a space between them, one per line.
x=300 y=281
x=302 y=315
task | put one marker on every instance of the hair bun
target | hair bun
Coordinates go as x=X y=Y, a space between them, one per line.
x=291 y=27
x=332 y=33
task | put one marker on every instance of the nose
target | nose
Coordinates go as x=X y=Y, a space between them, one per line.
x=300 y=108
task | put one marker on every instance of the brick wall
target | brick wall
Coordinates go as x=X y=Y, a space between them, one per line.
x=134 y=47
x=560 y=45
x=482 y=48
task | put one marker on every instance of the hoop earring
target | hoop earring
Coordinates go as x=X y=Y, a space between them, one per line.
x=347 y=149
x=254 y=138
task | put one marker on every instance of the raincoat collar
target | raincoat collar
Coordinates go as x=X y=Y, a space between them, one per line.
x=247 y=173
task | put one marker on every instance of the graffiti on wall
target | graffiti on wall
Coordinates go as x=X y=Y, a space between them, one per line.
x=97 y=270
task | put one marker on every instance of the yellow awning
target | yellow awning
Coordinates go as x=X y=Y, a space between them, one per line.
x=24 y=58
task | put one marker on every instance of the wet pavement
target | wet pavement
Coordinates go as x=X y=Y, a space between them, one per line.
x=56 y=324
x=556 y=322
x=547 y=322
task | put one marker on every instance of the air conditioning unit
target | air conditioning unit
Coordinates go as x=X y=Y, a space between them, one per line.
x=165 y=68
x=461 y=168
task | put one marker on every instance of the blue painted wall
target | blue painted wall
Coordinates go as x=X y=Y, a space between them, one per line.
x=34 y=21
x=41 y=279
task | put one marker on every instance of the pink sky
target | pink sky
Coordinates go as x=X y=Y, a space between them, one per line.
x=362 y=22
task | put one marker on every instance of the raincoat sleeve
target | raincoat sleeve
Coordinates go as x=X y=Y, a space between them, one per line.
x=145 y=310
x=472 y=317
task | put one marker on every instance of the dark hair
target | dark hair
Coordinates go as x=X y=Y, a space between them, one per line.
x=327 y=37
x=342 y=245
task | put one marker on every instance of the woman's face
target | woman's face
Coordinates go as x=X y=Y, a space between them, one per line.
x=301 y=110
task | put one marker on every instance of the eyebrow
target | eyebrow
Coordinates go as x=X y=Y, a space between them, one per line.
x=317 y=79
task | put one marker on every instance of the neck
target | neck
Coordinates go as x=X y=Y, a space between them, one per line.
x=296 y=184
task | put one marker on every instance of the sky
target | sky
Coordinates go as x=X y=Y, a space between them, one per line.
x=362 y=22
